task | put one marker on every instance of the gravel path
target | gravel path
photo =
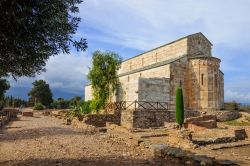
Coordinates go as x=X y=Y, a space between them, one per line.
x=42 y=140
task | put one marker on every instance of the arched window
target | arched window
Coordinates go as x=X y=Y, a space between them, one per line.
x=128 y=78
x=140 y=74
x=202 y=79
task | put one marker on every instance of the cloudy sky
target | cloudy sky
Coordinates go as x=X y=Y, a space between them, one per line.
x=130 y=27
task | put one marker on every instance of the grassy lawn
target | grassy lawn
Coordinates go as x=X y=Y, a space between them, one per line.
x=237 y=122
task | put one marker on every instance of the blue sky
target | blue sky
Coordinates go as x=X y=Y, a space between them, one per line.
x=130 y=27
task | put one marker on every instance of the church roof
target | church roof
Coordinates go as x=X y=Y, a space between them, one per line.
x=199 y=33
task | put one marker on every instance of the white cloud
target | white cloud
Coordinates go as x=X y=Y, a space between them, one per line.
x=64 y=72
x=237 y=96
x=149 y=22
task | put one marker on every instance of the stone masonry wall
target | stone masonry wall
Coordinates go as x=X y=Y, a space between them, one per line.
x=204 y=87
x=178 y=76
x=165 y=52
x=129 y=84
x=198 y=44
x=153 y=89
x=150 y=118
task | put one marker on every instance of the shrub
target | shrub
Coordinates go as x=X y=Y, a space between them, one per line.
x=1 y=105
x=179 y=106
x=38 y=106
x=231 y=105
x=80 y=109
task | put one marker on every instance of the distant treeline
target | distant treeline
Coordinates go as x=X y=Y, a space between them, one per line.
x=233 y=105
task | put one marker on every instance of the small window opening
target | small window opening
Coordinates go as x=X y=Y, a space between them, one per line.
x=202 y=79
x=216 y=80
x=128 y=78
x=140 y=74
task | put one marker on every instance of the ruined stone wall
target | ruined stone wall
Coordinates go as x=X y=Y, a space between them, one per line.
x=150 y=118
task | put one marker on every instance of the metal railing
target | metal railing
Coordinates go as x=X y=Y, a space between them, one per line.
x=136 y=105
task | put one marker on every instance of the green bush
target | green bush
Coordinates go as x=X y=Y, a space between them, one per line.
x=1 y=105
x=38 y=106
x=179 y=106
x=82 y=108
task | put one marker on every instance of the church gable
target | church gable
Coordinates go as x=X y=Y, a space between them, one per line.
x=199 y=45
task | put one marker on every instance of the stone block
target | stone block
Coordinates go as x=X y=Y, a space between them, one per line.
x=201 y=122
x=28 y=113
x=240 y=134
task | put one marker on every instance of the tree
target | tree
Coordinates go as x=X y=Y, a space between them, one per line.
x=33 y=30
x=4 y=86
x=40 y=93
x=75 y=100
x=179 y=107
x=103 y=77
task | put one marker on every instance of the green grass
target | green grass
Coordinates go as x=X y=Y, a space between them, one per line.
x=237 y=123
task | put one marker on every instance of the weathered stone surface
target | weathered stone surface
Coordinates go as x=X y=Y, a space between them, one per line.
x=201 y=122
x=240 y=134
x=100 y=120
x=226 y=115
x=150 y=118
x=27 y=113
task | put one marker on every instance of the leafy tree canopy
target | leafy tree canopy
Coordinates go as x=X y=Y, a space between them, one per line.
x=33 y=30
x=41 y=93
x=103 y=77
x=4 y=86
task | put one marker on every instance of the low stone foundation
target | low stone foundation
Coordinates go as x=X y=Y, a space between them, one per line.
x=99 y=120
x=227 y=115
x=28 y=113
x=150 y=118
x=201 y=122
x=7 y=114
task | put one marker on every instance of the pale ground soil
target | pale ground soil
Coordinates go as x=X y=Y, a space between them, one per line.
x=42 y=140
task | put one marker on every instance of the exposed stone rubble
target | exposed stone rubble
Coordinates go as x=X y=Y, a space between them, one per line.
x=201 y=122
x=226 y=115
x=7 y=114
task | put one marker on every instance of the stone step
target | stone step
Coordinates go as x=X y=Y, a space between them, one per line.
x=153 y=135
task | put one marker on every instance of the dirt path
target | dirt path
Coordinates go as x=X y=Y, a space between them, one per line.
x=42 y=140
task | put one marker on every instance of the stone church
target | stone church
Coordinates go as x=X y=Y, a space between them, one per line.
x=154 y=75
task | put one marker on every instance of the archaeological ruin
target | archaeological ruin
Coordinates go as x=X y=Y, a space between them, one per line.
x=148 y=81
